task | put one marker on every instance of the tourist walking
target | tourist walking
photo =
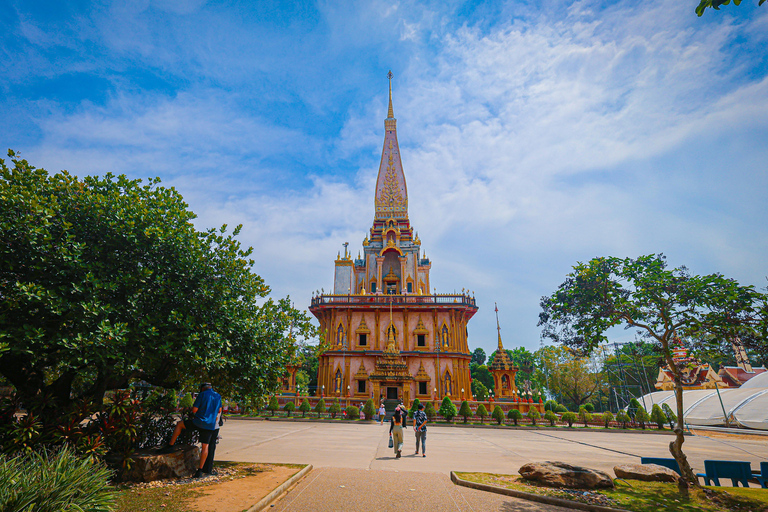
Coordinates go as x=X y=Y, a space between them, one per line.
x=396 y=432
x=420 y=427
x=382 y=412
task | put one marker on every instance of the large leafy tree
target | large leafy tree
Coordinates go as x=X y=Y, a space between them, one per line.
x=478 y=356
x=573 y=379
x=105 y=281
x=661 y=303
x=715 y=4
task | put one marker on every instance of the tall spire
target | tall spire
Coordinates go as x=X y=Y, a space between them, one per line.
x=498 y=328
x=390 y=112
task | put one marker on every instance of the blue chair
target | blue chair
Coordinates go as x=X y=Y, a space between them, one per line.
x=736 y=470
x=667 y=463
x=762 y=477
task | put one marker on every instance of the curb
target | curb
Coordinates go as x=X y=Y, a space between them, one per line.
x=280 y=489
x=547 y=500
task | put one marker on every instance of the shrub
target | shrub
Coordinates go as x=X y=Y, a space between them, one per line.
x=334 y=408
x=369 y=410
x=589 y=407
x=550 y=405
x=304 y=407
x=642 y=417
x=515 y=415
x=447 y=409
x=273 y=405
x=533 y=415
x=551 y=417
x=584 y=416
x=633 y=407
x=54 y=481
x=353 y=412
x=671 y=416
x=465 y=411
x=658 y=416
x=320 y=407
x=623 y=418
x=482 y=412
x=289 y=407
x=414 y=407
x=569 y=417
x=498 y=415
x=429 y=410
x=560 y=409
x=607 y=418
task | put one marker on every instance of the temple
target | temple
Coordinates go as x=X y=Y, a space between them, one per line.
x=387 y=336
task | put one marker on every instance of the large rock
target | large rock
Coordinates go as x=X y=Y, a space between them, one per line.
x=646 y=472
x=560 y=474
x=148 y=465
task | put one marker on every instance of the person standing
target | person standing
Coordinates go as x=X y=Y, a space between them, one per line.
x=382 y=412
x=420 y=427
x=396 y=432
x=205 y=410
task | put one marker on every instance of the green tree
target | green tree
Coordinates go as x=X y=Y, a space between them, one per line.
x=551 y=417
x=584 y=416
x=607 y=419
x=353 y=413
x=498 y=415
x=560 y=409
x=550 y=405
x=623 y=418
x=289 y=407
x=105 y=281
x=642 y=417
x=334 y=408
x=429 y=410
x=369 y=409
x=478 y=356
x=320 y=407
x=273 y=405
x=465 y=411
x=482 y=412
x=571 y=377
x=479 y=391
x=658 y=416
x=715 y=4
x=480 y=373
x=533 y=415
x=304 y=407
x=590 y=407
x=671 y=417
x=447 y=409
x=661 y=303
x=569 y=417
x=515 y=415
x=414 y=407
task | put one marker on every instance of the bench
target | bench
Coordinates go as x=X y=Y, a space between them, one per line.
x=762 y=477
x=736 y=470
x=667 y=463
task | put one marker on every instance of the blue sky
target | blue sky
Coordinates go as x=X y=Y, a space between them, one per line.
x=533 y=134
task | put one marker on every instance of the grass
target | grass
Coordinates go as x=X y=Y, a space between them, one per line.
x=640 y=496
x=179 y=498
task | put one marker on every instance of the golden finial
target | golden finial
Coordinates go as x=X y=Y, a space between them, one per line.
x=390 y=112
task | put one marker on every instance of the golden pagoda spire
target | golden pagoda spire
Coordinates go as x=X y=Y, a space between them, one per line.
x=390 y=112
x=498 y=328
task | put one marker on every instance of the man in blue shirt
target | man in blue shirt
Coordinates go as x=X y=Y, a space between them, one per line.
x=205 y=411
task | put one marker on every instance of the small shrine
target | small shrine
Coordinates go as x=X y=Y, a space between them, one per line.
x=695 y=374
x=502 y=369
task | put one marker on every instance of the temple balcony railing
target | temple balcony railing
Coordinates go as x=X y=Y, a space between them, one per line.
x=395 y=300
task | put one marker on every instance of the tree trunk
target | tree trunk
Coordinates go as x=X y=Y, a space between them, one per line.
x=676 y=447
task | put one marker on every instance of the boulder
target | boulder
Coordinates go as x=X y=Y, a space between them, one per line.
x=560 y=474
x=148 y=465
x=646 y=472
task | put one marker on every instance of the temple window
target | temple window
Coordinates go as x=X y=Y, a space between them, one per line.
x=373 y=286
x=421 y=340
x=422 y=388
x=363 y=341
x=410 y=287
x=361 y=386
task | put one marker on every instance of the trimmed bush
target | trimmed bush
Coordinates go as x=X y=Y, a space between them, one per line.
x=533 y=415
x=369 y=410
x=658 y=416
x=551 y=417
x=305 y=407
x=633 y=407
x=465 y=411
x=54 y=481
x=429 y=410
x=273 y=405
x=569 y=417
x=482 y=412
x=414 y=407
x=353 y=413
x=497 y=415
x=334 y=408
x=642 y=417
x=671 y=416
x=607 y=419
x=623 y=418
x=560 y=409
x=515 y=415
x=589 y=407
x=289 y=407
x=447 y=409
x=550 y=405
x=320 y=407
x=584 y=416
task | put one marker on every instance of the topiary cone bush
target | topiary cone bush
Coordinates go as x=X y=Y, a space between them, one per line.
x=304 y=407
x=447 y=409
x=607 y=418
x=569 y=417
x=334 y=408
x=414 y=407
x=550 y=405
x=533 y=415
x=671 y=416
x=429 y=410
x=482 y=412
x=633 y=407
x=584 y=416
x=551 y=417
x=497 y=415
x=320 y=407
x=560 y=409
x=642 y=417
x=465 y=411
x=623 y=418
x=658 y=416
x=289 y=407
x=515 y=415
x=273 y=405
x=369 y=410
x=353 y=413
x=590 y=407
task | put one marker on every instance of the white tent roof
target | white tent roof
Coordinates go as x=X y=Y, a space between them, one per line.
x=758 y=381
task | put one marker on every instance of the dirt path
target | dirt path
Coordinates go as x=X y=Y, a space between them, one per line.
x=239 y=494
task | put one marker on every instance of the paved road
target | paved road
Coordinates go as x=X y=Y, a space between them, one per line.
x=354 y=468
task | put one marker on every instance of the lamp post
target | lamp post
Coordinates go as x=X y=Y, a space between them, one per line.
x=322 y=391
x=348 y=395
x=462 y=393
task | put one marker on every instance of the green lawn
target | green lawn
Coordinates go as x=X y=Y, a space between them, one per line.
x=641 y=496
